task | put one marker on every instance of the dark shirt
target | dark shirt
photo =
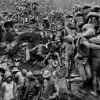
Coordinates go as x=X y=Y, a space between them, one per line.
x=49 y=90
x=33 y=88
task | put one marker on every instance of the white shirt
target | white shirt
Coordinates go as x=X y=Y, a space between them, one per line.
x=8 y=94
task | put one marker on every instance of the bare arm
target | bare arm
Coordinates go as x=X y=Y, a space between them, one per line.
x=3 y=90
x=58 y=56
x=57 y=89
x=89 y=32
x=91 y=45
x=95 y=40
x=47 y=56
x=33 y=48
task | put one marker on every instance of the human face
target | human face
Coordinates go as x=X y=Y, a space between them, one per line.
x=95 y=21
x=9 y=79
x=45 y=82
x=79 y=20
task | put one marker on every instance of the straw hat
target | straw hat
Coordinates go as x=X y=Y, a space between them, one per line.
x=68 y=16
x=46 y=74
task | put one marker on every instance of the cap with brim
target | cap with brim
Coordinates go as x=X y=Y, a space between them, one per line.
x=46 y=74
x=96 y=8
x=79 y=14
x=15 y=69
x=8 y=22
x=93 y=14
x=69 y=16
x=24 y=44
x=86 y=6
x=77 y=5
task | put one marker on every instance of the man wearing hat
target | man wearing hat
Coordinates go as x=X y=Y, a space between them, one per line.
x=93 y=18
x=96 y=8
x=86 y=8
x=19 y=79
x=50 y=89
x=79 y=20
x=76 y=8
x=32 y=87
x=46 y=23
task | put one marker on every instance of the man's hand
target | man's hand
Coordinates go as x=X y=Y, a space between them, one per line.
x=90 y=45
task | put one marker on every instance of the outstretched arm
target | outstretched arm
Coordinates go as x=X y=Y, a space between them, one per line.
x=88 y=33
x=33 y=48
x=91 y=45
x=95 y=40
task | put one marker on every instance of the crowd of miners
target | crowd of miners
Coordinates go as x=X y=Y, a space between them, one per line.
x=60 y=47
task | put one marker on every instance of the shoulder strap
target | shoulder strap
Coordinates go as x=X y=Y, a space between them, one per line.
x=14 y=89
